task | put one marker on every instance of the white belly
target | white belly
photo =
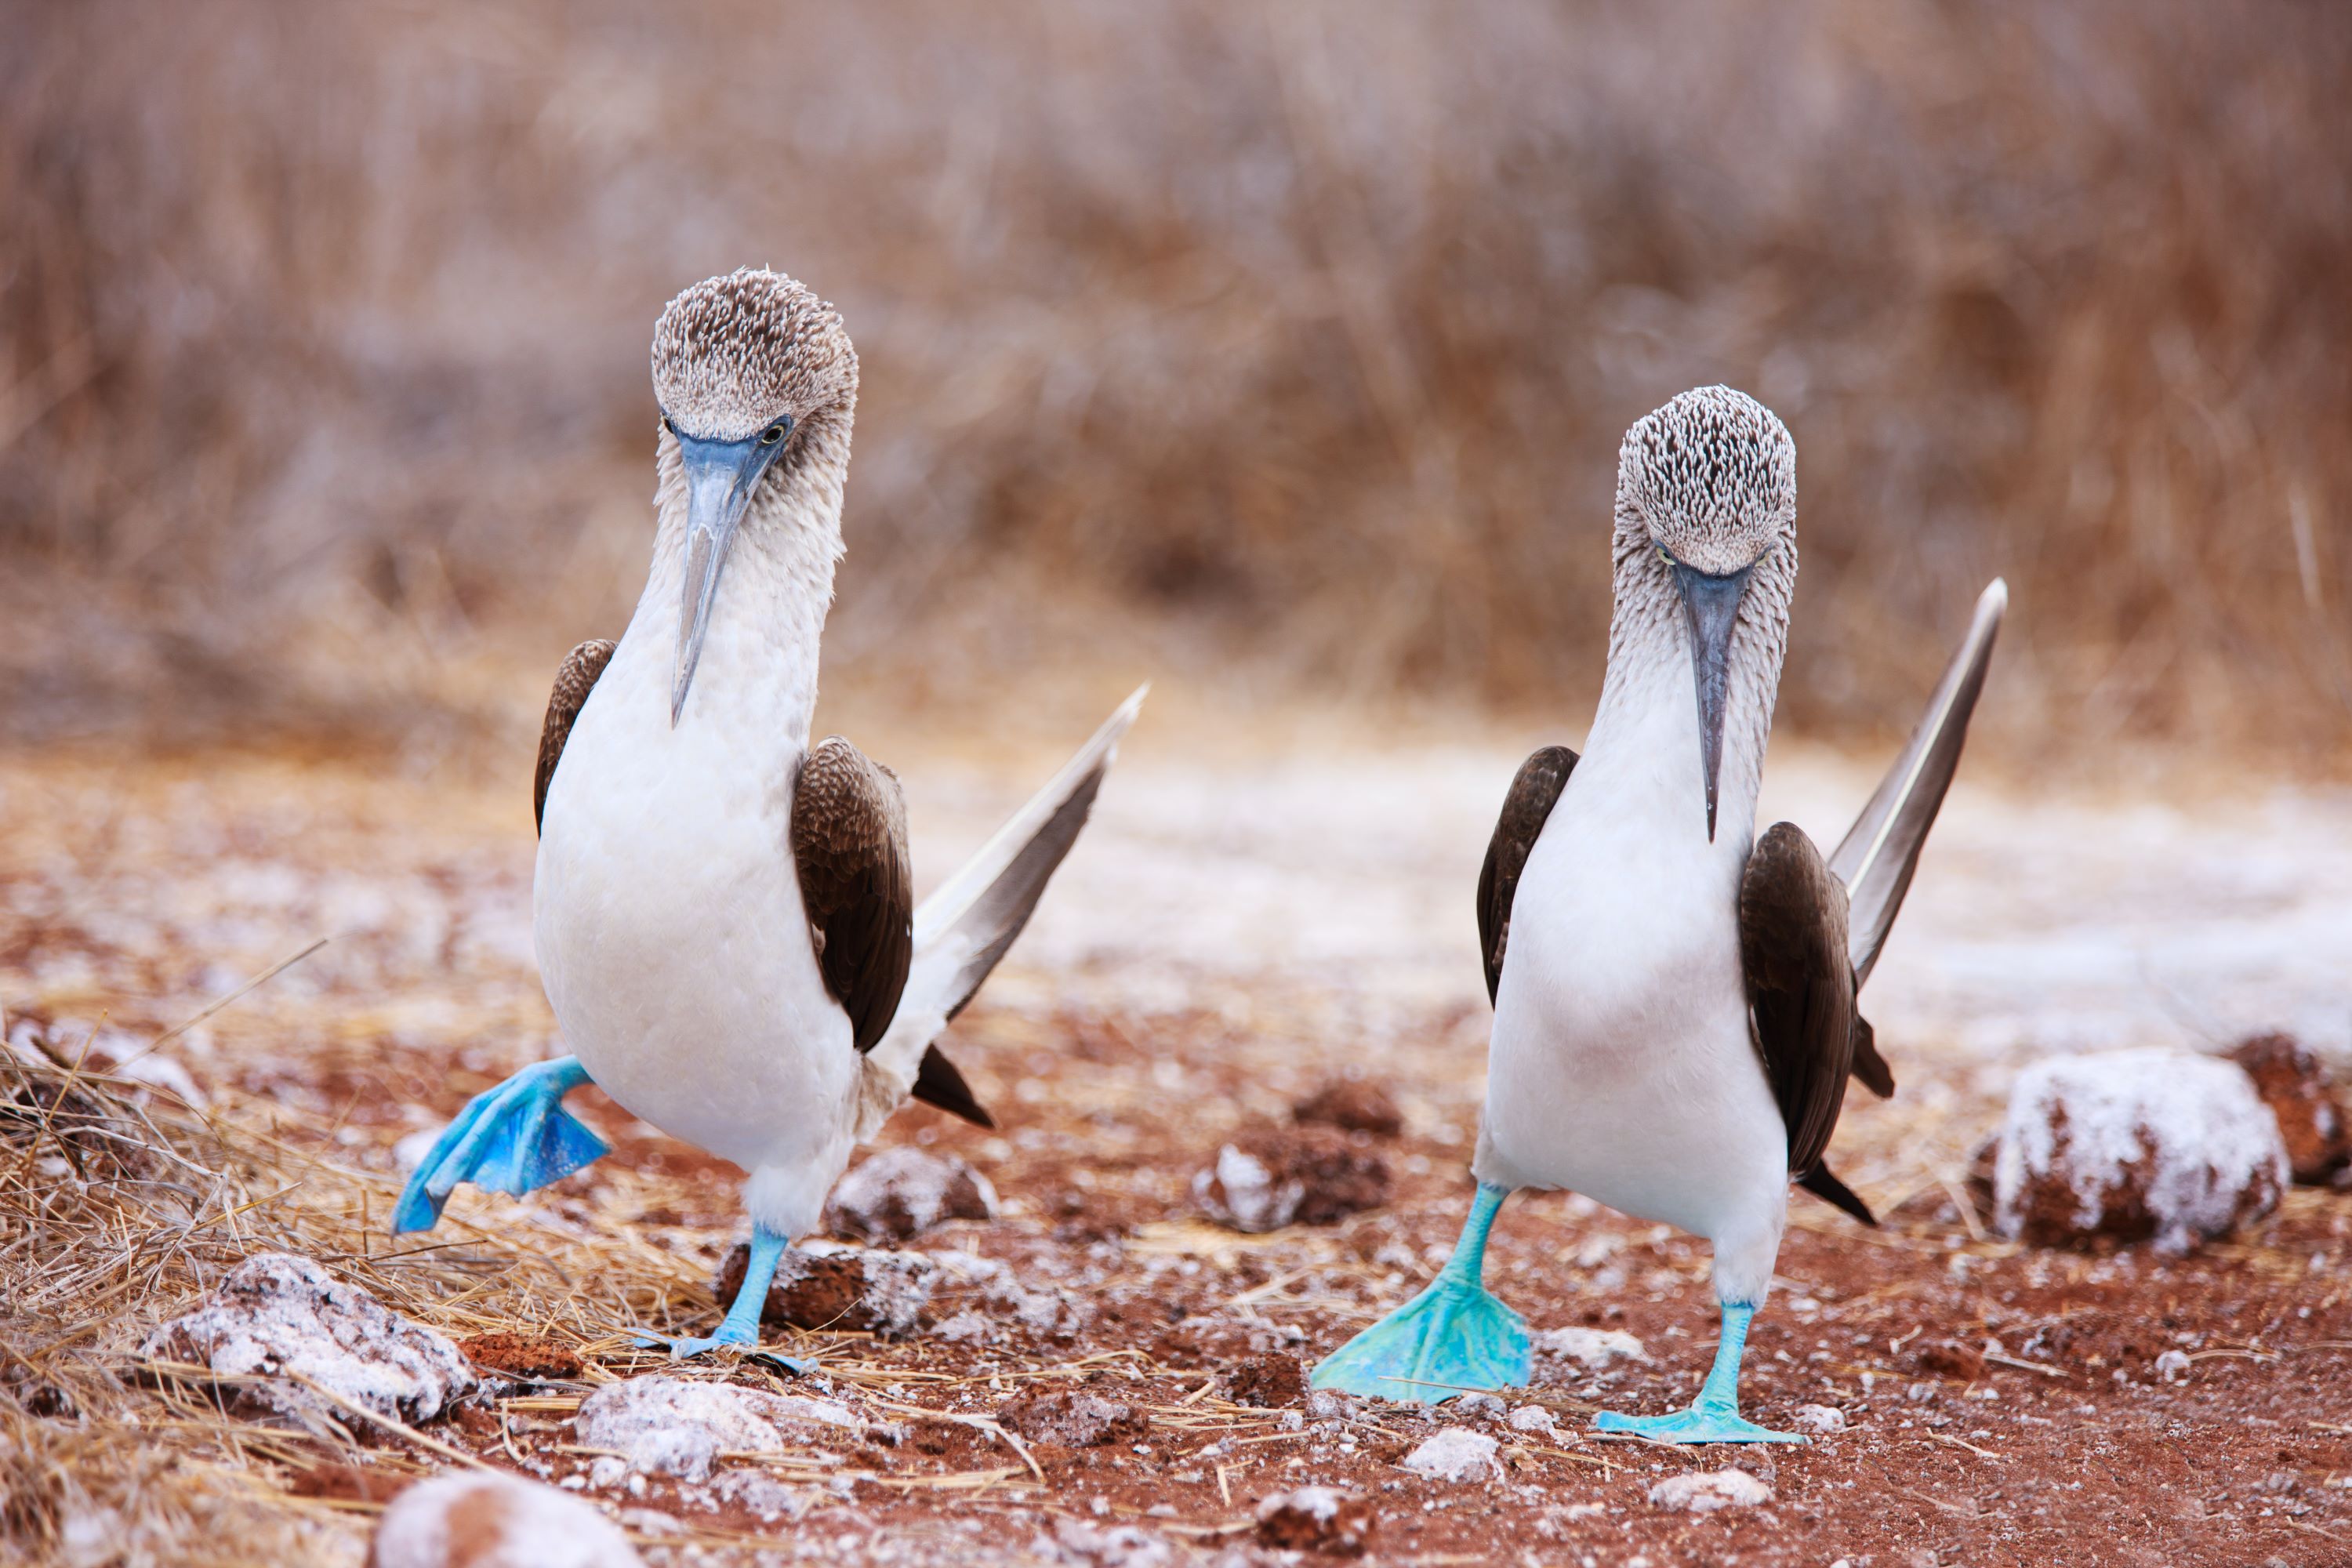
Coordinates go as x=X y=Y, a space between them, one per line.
x=670 y=931
x=1621 y=1065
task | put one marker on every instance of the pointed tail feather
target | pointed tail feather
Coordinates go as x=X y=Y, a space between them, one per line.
x=1879 y=853
x=965 y=927
x=1829 y=1189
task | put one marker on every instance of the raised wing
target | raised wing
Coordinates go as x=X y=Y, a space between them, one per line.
x=1534 y=791
x=1792 y=948
x=1881 y=850
x=965 y=926
x=575 y=678
x=849 y=844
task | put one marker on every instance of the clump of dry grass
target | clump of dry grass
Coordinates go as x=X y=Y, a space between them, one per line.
x=1307 y=335
x=121 y=1206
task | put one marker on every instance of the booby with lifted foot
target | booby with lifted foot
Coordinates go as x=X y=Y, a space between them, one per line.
x=725 y=917
x=1675 y=1000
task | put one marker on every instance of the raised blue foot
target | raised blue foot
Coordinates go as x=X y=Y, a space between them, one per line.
x=1713 y=1416
x=511 y=1138
x=740 y=1330
x=1452 y=1338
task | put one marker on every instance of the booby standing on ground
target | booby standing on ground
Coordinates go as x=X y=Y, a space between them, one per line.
x=1676 y=1018
x=725 y=917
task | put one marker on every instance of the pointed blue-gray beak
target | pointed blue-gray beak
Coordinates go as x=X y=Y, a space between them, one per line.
x=1711 y=605
x=720 y=477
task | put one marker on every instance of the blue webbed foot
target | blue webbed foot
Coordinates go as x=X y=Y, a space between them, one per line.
x=513 y=1139
x=1697 y=1423
x=1713 y=1416
x=687 y=1347
x=740 y=1330
x=1452 y=1338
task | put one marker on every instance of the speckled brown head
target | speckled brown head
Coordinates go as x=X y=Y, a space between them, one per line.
x=1711 y=478
x=758 y=383
x=733 y=354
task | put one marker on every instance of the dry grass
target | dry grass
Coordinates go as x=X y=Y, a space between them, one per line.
x=1289 y=346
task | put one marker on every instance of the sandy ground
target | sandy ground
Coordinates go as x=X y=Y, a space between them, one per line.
x=1226 y=939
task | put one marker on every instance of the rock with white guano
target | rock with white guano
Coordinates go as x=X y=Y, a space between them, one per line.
x=490 y=1519
x=1563 y=1353
x=679 y=1427
x=1317 y=1519
x=1706 y=1491
x=894 y=1195
x=2135 y=1145
x=282 y=1320
x=1271 y=1177
x=1455 y=1454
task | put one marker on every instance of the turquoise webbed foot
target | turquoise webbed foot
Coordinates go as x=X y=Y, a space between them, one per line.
x=513 y=1139
x=1452 y=1338
x=740 y=1330
x=1713 y=1416
x=1695 y=1425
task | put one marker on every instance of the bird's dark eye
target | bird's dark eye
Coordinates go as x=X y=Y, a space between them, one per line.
x=773 y=433
x=668 y=425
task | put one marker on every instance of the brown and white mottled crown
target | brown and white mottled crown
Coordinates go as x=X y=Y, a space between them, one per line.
x=733 y=354
x=1712 y=476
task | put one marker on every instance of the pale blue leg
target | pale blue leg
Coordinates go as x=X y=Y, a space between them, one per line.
x=740 y=1327
x=512 y=1139
x=1713 y=1416
x=1452 y=1338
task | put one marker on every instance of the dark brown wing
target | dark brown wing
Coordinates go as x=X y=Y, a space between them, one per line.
x=1792 y=947
x=573 y=681
x=849 y=843
x=1534 y=791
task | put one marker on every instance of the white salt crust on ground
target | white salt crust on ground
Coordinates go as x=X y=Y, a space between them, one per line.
x=279 y=1316
x=2186 y=1134
x=486 y=1520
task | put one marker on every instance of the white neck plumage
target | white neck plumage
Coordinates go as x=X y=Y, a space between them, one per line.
x=759 y=662
x=1649 y=703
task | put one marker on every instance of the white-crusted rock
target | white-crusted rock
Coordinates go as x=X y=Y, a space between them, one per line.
x=282 y=1316
x=1081 y=1545
x=1455 y=1454
x=1271 y=1177
x=825 y=1285
x=1534 y=1418
x=1818 y=1418
x=897 y=1194
x=1316 y=1519
x=2134 y=1145
x=1590 y=1349
x=676 y=1426
x=494 y=1519
x=1708 y=1490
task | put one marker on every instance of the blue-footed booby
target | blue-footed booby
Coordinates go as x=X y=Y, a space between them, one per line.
x=724 y=913
x=1674 y=999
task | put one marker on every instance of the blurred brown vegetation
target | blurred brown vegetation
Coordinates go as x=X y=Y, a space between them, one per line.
x=1288 y=345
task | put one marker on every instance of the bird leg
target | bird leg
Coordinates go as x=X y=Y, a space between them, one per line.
x=1454 y=1337
x=514 y=1138
x=1713 y=1416
x=740 y=1327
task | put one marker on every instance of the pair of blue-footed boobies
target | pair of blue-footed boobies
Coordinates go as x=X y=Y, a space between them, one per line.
x=725 y=914
x=1674 y=999
x=727 y=929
